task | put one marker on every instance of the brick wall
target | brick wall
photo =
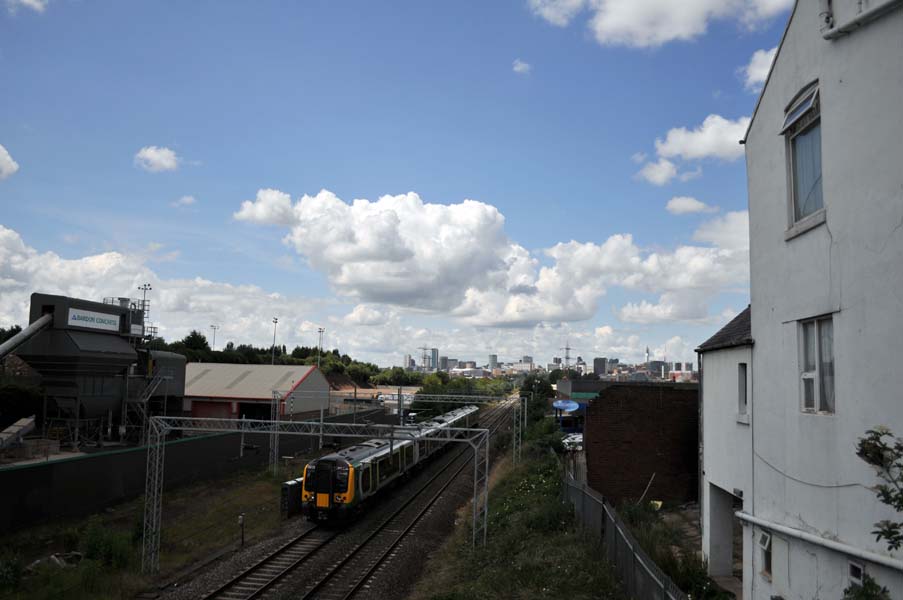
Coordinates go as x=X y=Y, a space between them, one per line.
x=636 y=429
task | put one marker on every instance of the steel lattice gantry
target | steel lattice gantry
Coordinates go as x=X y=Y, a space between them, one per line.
x=159 y=427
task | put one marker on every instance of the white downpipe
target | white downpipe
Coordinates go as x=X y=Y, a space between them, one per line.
x=872 y=557
x=862 y=19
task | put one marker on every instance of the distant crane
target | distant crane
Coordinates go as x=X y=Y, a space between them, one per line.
x=567 y=357
x=424 y=357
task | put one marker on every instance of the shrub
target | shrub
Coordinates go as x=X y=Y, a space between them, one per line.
x=70 y=539
x=666 y=547
x=91 y=575
x=10 y=571
x=869 y=590
x=109 y=547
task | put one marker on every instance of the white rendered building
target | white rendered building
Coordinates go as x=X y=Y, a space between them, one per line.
x=824 y=158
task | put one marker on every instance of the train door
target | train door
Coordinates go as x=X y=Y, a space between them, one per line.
x=323 y=483
x=409 y=456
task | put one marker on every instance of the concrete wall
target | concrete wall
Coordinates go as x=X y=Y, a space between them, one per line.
x=726 y=450
x=80 y=486
x=636 y=429
x=806 y=473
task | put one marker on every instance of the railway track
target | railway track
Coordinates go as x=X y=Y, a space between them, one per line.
x=260 y=578
x=347 y=577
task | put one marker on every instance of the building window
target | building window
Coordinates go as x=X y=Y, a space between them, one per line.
x=741 y=388
x=817 y=365
x=802 y=130
x=765 y=547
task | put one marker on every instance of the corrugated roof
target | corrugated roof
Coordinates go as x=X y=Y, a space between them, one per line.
x=736 y=333
x=221 y=380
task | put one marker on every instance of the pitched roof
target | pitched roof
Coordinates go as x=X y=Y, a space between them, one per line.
x=736 y=333
x=222 y=380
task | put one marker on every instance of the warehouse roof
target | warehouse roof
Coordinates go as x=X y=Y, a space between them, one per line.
x=222 y=380
x=736 y=333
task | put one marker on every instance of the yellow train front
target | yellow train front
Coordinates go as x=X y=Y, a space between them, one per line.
x=329 y=489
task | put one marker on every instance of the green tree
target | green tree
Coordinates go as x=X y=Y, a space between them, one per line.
x=5 y=334
x=869 y=590
x=195 y=341
x=883 y=451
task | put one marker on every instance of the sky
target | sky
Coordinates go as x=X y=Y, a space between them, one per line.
x=503 y=177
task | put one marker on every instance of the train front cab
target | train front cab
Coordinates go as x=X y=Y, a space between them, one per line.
x=328 y=490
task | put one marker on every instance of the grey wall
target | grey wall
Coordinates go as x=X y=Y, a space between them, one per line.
x=806 y=473
x=84 y=485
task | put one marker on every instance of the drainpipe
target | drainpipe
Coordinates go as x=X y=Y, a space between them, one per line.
x=825 y=16
x=860 y=20
x=872 y=557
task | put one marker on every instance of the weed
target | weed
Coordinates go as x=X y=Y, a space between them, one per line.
x=110 y=547
x=10 y=571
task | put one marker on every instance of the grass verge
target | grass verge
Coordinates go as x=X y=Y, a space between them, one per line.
x=533 y=548
x=198 y=520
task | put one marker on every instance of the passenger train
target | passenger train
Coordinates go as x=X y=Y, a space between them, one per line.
x=336 y=486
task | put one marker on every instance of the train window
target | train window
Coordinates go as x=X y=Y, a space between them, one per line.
x=341 y=479
x=309 y=478
x=409 y=455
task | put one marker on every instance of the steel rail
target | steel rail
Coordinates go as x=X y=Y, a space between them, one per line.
x=266 y=561
x=312 y=593
x=265 y=583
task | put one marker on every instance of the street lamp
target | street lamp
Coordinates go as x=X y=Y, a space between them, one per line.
x=273 y=356
x=145 y=288
x=321 y=331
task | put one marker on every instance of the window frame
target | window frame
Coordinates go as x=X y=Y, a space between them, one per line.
x=742 y=388
x=791 y=129
x=815 y=375
x=765 y=545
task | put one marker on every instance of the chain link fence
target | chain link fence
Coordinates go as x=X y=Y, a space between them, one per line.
x=639 y=575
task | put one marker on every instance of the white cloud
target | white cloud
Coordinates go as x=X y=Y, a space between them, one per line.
x=716 y=137
x=682 y=205
x=690 y=175
x=688 y=307
x=184 y=201
x=7 y=165
x=365 y=315
x=651 y=23
x=729 y=231
x=155 y=159
x=178 y=305
x=557 y=12
x=756 y=71
x=658 y=173
x=35 y=5
x=271 y=207
x=370 y=331
x=456 y=260
x=520 y=67
x=638 y=157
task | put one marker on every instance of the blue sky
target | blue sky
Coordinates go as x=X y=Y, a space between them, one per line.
x=367 y=99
